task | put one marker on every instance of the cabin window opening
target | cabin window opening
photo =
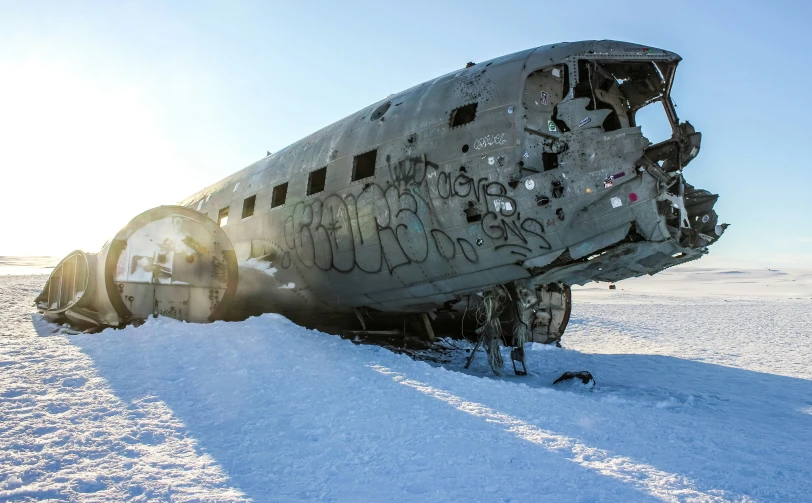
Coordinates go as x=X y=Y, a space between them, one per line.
x=463 y=115
x=472 y=214
x=550 y=160
x=363 y=166
x=222 y=217
x=280 y=193
x=315 y=181
x=248 y=206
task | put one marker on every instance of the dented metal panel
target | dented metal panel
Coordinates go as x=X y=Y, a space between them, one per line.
x=529 y=168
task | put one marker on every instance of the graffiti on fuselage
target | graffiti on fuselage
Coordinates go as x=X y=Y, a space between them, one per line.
x=384 y=228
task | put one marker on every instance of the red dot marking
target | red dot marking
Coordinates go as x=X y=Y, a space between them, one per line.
x=632 y=196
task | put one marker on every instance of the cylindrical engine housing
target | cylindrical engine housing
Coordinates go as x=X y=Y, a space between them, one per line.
x=169 y=260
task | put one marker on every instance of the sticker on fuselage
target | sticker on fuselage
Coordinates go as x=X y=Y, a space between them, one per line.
x=502 y=205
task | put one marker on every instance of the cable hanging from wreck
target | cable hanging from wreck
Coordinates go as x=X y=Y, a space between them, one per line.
x=490 y=328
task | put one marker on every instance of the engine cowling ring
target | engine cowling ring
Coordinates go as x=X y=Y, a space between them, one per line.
x=173 y=261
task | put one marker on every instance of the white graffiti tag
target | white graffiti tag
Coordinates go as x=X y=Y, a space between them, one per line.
x=496 y=139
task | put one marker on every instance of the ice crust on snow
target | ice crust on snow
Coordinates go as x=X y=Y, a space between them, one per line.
x=698 y=398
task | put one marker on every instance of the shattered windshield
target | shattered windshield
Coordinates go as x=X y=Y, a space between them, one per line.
x=633 y=91
x=653 y=122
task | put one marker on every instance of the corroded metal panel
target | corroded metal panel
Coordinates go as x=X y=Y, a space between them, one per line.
x=526 y=168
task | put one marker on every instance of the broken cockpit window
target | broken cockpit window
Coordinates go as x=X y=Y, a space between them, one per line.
x=619 y=89
x=653 y=122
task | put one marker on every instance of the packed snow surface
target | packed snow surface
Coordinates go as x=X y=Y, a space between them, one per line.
x=701 y=395
x=26 y=265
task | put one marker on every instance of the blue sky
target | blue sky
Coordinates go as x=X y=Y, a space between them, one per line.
x=110 y=108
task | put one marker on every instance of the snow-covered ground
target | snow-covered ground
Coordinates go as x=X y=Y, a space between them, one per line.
x=704 y=393
x=26 y=265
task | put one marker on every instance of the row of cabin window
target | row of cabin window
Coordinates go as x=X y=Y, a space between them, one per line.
x=363 y=166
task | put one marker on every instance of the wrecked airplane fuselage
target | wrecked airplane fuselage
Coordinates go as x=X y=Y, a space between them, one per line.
x=512 y=178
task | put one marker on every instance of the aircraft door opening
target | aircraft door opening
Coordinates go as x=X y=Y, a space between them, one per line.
x=543 y=90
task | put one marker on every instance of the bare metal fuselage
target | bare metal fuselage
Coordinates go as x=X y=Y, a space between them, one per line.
x=527 y=170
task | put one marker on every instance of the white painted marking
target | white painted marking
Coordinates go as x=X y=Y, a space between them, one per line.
x=487 y=141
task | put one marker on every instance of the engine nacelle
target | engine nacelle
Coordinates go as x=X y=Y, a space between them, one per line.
x=170 y=261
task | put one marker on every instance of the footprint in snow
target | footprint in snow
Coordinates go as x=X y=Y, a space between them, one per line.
x=57 y=409
x=90 y=486
x=74 y=382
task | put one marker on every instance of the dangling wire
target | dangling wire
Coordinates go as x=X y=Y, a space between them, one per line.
x=462 y=323
x=520 y=328
x=487 y=318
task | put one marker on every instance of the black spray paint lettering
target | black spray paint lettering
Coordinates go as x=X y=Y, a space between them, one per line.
x=382 y=229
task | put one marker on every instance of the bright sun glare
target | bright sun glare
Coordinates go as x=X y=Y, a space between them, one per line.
x=80 y=158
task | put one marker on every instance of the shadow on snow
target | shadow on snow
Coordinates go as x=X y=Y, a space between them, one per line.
x=294 y=413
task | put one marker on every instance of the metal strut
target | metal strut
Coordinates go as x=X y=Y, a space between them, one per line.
x=473 y=351
x=517 y=355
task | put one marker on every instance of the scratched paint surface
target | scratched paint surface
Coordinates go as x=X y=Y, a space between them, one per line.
x=456 y=185
x=396 y=222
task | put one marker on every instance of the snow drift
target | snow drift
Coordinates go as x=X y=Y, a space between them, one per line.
x=716 y=406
